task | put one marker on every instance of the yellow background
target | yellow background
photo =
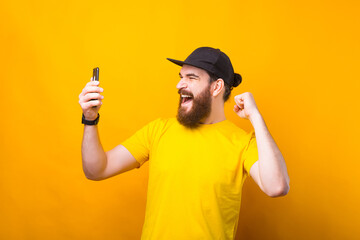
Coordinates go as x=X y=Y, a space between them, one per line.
x=300 y=59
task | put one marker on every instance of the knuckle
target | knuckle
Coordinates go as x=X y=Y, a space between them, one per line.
x=88 y=105
x=85 y=97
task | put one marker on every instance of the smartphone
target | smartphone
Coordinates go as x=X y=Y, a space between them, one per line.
x=95 y=74
x=95 y=78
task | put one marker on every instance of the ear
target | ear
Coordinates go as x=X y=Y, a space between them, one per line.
x=217 y=87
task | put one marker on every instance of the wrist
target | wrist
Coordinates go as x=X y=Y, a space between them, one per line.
x=255 y=118
x=90 y=122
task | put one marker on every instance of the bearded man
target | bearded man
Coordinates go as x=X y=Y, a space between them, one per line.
x=199 y=160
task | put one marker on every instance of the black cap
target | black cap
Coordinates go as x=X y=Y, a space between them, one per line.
x=214 y=61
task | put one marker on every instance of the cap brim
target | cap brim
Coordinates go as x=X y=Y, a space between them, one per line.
x=181 y=63
x=177 y=62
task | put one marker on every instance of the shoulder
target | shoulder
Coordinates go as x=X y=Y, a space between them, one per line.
x=232 y=129
x=162 y=121
x=160 y=124
x=237 y=133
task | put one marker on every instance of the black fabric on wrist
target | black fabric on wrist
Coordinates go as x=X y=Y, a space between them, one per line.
x=87 y=122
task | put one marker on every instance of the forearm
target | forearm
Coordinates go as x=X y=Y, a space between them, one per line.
x=272 y=168
x=93 y=156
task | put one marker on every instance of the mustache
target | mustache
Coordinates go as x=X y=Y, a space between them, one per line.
x=185 y=92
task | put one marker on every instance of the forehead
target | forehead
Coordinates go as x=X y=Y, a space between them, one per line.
x=187 y=69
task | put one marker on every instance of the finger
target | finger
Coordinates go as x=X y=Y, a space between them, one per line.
x=92 y=89
x=91 y=104
x=239 y=97
x=243 y=96
x=239 y=100
x=236 y=108
x=91 y=96
x=93 y=83
x=239 y=112
x=240 y=103
x=89 y=89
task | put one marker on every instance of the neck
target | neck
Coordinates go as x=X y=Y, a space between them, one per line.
x=217 y=113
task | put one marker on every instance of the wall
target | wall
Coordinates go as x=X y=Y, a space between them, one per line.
x=299 y=59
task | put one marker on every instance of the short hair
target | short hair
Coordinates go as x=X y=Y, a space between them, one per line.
x=228 y=89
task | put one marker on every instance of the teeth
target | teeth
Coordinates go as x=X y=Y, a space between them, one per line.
x=185 y=96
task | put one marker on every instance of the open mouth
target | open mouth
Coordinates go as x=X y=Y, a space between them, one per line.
x=186 y=98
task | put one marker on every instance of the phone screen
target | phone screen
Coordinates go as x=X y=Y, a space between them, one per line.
x=95 y=74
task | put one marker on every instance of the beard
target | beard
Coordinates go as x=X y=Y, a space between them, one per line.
x=200 y=109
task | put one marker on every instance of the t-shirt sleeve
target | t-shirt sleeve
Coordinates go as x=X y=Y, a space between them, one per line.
x=140 y=143
x=250 y=155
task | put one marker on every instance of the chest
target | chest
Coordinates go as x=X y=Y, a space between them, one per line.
x=205 y=157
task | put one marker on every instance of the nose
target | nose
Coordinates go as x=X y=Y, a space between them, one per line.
x=181 y=84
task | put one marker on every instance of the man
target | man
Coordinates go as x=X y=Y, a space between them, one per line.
x=197 y=162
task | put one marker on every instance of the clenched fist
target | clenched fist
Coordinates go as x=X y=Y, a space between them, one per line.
x=90 y=100
x=245 y=105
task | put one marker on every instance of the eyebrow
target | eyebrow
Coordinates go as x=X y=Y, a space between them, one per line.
x=190 y=75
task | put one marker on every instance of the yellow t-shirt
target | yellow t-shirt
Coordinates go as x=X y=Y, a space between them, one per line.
x=195 y=178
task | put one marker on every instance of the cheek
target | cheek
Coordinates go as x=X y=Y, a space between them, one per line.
x=202 y=89
x=197 y=89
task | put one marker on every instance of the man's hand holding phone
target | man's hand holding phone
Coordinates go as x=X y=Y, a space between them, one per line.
x=90 y=99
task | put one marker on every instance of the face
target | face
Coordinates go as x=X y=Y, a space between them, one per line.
x=195 y=96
